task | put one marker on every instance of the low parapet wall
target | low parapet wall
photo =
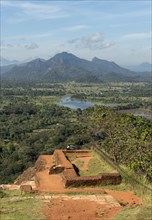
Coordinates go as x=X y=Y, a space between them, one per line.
x=103 y=179
x=88 y=152
x=70 y=177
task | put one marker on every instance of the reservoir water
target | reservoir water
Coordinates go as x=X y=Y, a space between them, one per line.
x=75 y=103
x=82 y=104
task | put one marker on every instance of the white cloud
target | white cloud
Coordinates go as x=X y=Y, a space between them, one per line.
x=30 y=46
x=137 y=36
x=76 y=27
x=92 y=42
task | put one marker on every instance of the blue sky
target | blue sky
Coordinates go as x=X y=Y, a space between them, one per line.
x=118 y=31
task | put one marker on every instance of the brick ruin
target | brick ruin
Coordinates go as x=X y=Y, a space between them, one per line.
x=70 y=176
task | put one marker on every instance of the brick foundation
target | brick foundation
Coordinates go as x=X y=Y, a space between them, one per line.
x=70 y=177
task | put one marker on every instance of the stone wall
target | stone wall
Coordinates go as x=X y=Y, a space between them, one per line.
x=70 y=177
x=79 y=152
x=103 y=179
x=60 y=159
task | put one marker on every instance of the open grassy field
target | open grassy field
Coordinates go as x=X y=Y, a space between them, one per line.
x=15 y=206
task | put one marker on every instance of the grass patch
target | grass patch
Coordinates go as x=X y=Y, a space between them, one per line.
x=136 y=213
x=79 y=163
x=139 y=178
x=49 y=99
x=97 y=166
x=84 y=193
x=14 y=206
x=2 y=194
x=71 y=158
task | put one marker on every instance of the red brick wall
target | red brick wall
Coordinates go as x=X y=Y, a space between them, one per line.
x=112 y=179
x=78 y=151
x=70 y=177
x=60 y=159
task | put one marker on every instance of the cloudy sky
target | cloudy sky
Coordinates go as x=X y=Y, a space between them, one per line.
x=118 y=31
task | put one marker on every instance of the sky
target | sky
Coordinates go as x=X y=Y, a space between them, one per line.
x=118 y=31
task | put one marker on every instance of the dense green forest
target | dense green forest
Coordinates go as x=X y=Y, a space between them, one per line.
x=33 y=124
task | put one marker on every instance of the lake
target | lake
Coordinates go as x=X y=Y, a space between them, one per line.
x=75 y=103
x=82 y=104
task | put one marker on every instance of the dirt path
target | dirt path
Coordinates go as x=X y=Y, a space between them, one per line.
x=49 y=183
x=91 y=207
x=126 y=198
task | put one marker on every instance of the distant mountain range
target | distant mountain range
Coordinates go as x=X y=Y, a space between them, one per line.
x=65 y=67
x=143 y=67
x=6 y=62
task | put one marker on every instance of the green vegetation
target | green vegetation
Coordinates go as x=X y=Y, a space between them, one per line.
x=127 y=95
x=84 y=192
x=135 y=213
x=79 y=163
x=14 y=206
x=75 y=160
x=97 y=166
x=32 y=124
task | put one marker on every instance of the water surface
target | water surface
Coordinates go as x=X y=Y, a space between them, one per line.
x=83 y=104
x=75 y=103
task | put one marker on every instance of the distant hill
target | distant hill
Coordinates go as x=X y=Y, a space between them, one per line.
x=65 y=67
x=6 y=62
x=143 y=67
x=4 y=69
x=108 y=67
